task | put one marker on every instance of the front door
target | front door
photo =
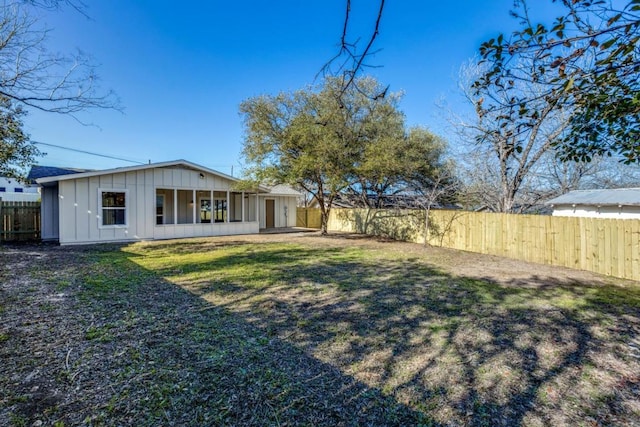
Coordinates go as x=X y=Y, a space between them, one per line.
x=270 y=213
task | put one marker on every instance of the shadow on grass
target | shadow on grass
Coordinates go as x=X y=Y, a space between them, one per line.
x=155 y=354
x=455 y=350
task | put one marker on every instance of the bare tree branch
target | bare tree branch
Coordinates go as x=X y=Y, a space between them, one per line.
x=34 y=77
x=350 y=62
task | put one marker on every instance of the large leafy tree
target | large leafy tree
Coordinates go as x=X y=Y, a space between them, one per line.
x=588 y=58
x=16 y=152
x=314 y=138
x=329 y=141
x=31 y=77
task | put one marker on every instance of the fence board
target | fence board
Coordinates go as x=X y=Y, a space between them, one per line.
x=606 y=246
x=308 y=217
x=635 y=249
x=301 y=217
x=20 y=221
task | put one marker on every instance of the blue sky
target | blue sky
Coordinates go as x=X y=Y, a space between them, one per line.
x=181 y=69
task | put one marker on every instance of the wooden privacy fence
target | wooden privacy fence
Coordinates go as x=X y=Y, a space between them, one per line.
x=606 y=246
x=20 y=221
x=308 y=217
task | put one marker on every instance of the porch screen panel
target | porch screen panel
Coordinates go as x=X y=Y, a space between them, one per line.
x=220 y=206
x=164 y=206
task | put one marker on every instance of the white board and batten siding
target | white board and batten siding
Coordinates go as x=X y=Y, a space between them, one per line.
x=71 y=204
x=614 y=203
x=284 y=211
x=613 y=212
x=79 y=206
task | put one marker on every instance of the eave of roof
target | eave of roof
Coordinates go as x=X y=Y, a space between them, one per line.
x=603 y=197
x=42 y=171
x=180 y=162
x=283 y=190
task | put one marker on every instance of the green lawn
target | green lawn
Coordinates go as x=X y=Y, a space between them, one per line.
x=327 y=332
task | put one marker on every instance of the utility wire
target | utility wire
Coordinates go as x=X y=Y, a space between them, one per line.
x=106 y=156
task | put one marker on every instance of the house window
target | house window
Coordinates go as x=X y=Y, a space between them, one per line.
x=18 y=190
x=113 y=205
x=159 y=209
x=2 y=189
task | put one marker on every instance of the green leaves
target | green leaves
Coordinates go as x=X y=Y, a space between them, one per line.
x=317 y=138
x=17 y=153
x=595 y=49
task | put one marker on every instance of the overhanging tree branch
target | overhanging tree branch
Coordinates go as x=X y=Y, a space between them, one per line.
x=352 y=62
x=34 y=77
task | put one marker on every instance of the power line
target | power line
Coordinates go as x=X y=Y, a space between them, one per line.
x=106 y=156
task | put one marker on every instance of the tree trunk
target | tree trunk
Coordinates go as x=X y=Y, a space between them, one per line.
x=427 y=211
x=324 y=220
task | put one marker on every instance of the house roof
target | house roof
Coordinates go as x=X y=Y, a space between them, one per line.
x=48 y=174
x=39 y=171
x=91 y=173
x=605 y=197
x=283 y=190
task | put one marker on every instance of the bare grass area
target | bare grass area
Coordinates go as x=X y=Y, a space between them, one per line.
x=299 y=329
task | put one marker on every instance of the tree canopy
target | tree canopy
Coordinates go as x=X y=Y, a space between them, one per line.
x=589 y=59
x=328 y=140
x=411 y=163
x=16 y=152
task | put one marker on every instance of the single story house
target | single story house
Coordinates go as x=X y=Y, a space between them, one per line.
x=157 y=201
x=620 y=203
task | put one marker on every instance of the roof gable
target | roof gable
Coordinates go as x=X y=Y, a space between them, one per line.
x=284 y=190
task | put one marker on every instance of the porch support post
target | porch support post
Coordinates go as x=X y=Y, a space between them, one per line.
x=193 y=208
x=211 y=204
x=228 y=206
x=242 y=207
x=175 y=206
x=257 y=208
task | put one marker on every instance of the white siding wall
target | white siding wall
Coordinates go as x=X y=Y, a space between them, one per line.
x=291 y=203
x=235 y=207
x=11 y=184
x=20 y=197
x=250 y=206
x=79 y=204
x=280 y=220
x=624 y=212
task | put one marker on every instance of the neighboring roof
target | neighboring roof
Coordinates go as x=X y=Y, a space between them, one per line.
x=618 y=196
x=38 y=171
x=90 y=173
x=283 y=190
